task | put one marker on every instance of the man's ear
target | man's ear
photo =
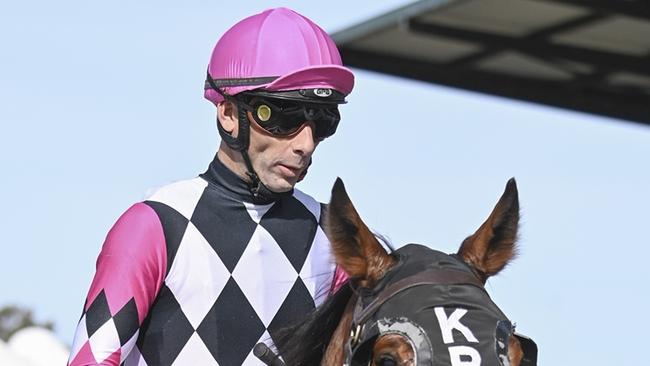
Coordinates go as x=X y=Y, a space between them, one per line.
x=227 y=116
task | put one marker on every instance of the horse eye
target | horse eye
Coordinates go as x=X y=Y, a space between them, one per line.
x=387 y=360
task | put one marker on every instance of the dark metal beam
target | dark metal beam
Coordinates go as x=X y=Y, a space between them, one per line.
x=633 y=8
x=540 y=34
x=601 y=59
x=617 y=104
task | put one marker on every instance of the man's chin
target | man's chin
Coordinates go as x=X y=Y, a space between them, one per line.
x=281 y=185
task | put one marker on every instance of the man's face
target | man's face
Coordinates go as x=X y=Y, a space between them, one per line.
x=279 y=161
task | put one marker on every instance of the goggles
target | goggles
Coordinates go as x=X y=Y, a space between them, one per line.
x=284 y=117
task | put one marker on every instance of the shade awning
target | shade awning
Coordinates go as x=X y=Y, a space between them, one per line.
x=589 y=56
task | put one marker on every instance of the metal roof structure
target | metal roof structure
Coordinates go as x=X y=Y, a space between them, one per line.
x=590 y=56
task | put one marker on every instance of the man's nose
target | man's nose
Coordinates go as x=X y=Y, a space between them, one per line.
x=303 y=141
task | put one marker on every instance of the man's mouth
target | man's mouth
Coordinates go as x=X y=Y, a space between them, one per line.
x=290 y=170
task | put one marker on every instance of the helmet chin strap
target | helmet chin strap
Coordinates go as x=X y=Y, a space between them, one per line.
x=259 y=191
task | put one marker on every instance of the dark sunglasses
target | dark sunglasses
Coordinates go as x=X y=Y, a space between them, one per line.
x=283 y=117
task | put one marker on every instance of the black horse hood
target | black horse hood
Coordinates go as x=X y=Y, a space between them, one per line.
x=447 y=324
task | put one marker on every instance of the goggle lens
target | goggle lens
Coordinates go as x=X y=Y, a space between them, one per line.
x=285 y=117
x=263 y=112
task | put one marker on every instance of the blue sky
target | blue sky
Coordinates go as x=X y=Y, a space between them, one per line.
x=102 y=101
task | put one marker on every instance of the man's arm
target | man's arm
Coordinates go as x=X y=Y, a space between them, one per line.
x=130 y=270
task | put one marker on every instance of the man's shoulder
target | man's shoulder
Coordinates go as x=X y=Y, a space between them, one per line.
x=309 y=202
x=181 y=195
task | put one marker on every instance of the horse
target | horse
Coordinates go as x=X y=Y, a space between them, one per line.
x=414 y=306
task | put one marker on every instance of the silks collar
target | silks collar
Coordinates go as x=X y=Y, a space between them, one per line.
x=238 y=188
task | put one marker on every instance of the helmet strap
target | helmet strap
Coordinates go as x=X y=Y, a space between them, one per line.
x=261 y=193
x=256 y=187
x=241 y=142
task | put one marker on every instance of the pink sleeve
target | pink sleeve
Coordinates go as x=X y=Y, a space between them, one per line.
x=340 y=277
x=130 y=271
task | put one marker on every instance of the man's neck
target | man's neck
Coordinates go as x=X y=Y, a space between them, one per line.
x=233 y=161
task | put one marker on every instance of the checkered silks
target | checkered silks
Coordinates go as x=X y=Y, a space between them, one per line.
x=235 y=274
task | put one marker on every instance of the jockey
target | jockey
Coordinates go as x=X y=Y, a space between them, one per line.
x=205 y=268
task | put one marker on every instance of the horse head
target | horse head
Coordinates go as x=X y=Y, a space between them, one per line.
x=418 y=306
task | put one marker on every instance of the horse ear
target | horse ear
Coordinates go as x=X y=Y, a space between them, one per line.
x=493 y=245
x=355 y=247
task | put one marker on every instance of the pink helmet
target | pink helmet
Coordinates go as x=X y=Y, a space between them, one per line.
x=276 y=50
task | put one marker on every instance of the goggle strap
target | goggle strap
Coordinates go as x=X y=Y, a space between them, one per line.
x=239 y=143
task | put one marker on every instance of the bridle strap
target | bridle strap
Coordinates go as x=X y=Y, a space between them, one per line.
x=431 y=277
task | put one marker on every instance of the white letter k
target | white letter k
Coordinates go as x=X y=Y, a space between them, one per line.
x=451 y=323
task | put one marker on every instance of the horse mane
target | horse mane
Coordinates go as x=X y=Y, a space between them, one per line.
x=304 y=343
